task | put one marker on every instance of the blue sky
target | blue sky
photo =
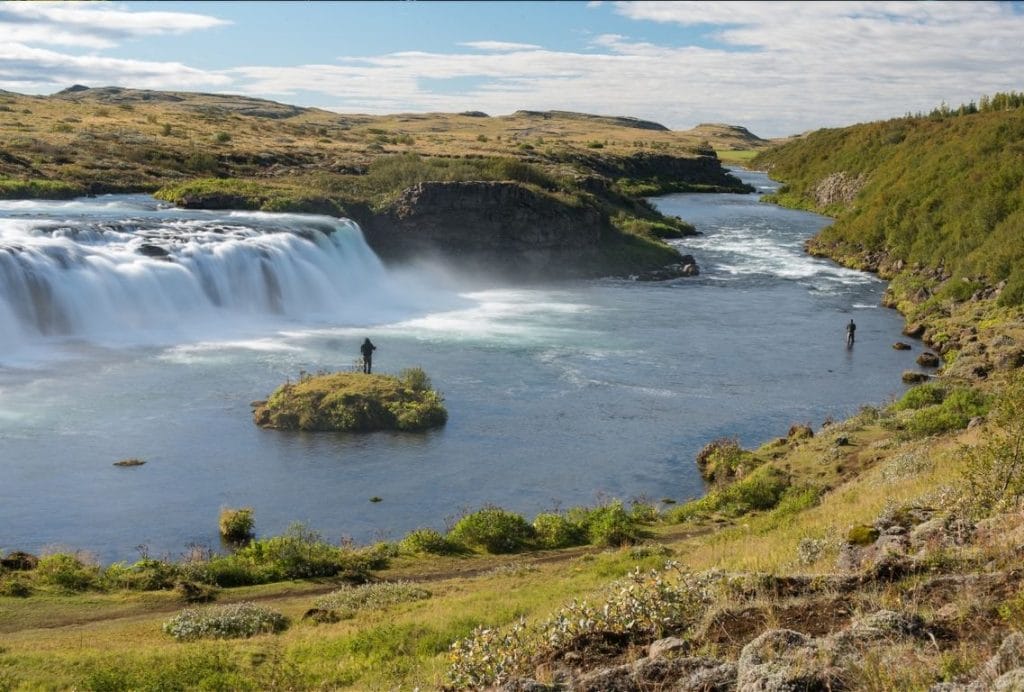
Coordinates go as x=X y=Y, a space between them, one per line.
x=777 y=68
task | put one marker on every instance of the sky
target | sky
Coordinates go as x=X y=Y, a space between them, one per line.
x=777 y=68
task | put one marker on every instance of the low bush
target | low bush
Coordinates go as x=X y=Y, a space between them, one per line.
x=957 y=409
x=762 y=489
x=920 y=396
x=346 y=602
x=426 y=540
x=299 y=553
x=145 y=575
x=493 y=530
x=611 y=525
x=231 y=621
x=556 y=531
x=67 y=572
x=236 y=525
x=723 y=459
x=16 y=586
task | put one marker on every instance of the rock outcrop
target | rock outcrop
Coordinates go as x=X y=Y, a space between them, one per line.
x=492 y=224
x=837 y=188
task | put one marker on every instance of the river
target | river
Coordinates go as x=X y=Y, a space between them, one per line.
x=561 y=394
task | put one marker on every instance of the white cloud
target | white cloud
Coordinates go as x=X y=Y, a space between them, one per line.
x=30 y=30
x=39 y=69
x=101 y=19
x=499 y=45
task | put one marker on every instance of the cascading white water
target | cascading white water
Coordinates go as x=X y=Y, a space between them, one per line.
x=128 y=271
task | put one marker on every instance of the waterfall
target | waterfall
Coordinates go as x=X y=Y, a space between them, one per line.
x=127 y=271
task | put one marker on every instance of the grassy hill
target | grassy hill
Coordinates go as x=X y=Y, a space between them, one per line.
x=942 y=193
x=124 y=139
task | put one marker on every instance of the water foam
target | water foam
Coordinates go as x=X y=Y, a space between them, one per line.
x=125 y=271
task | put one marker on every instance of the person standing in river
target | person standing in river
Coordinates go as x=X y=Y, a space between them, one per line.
x=850 y=329
x=367 y=350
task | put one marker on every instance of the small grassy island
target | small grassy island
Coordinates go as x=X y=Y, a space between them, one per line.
x=354 y=402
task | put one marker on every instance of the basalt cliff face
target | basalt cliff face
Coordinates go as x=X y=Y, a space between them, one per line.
x=493 y=224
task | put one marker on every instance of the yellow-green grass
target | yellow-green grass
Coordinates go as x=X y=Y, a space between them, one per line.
x=406 y=644
x=350 y=401
x=740 y=157
x=144 y=144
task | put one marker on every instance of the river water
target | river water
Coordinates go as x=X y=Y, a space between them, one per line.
x=558 y=395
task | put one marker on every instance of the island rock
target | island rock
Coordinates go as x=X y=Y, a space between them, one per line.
x=354 y=402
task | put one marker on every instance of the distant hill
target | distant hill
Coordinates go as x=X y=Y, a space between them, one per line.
x=729 y=136
x=618 y=121
x=116 y=138
x=945 y=192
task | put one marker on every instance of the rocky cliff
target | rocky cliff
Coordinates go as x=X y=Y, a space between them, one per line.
x=503 y=225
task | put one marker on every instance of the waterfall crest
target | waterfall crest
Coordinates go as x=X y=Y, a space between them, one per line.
x=127 y=270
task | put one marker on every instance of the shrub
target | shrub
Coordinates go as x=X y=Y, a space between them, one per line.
x=612 y=526
x=346 y=602
x=415 y=379
x=298 y=554
x=68 y=572
x=723 y=459
x=230 y=621
x=862 y=535
x=236 y=524
x=920 y=396
x=301 y=553
x=15 y=586
x=493 y=530
x=762 y=489
x=145 y=575
x=556 y=531
x=222 y=137
x=425 y=541
x=954 y=413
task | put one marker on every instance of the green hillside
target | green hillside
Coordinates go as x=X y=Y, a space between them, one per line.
x=944 y=191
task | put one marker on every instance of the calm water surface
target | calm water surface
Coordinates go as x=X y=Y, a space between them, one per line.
x=558 y=394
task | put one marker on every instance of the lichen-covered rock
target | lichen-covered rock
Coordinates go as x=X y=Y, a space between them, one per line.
x=884 y=624
x=1009 y=657
x=688 y=674
x=784 y=661
x=838 y=188
x=665 y=646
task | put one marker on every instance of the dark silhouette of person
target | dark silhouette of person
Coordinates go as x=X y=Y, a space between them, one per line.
x=850 y=329
x=367 y=350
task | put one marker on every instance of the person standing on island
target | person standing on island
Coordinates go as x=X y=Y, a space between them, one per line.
x=367 y=350
x=850 y=329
